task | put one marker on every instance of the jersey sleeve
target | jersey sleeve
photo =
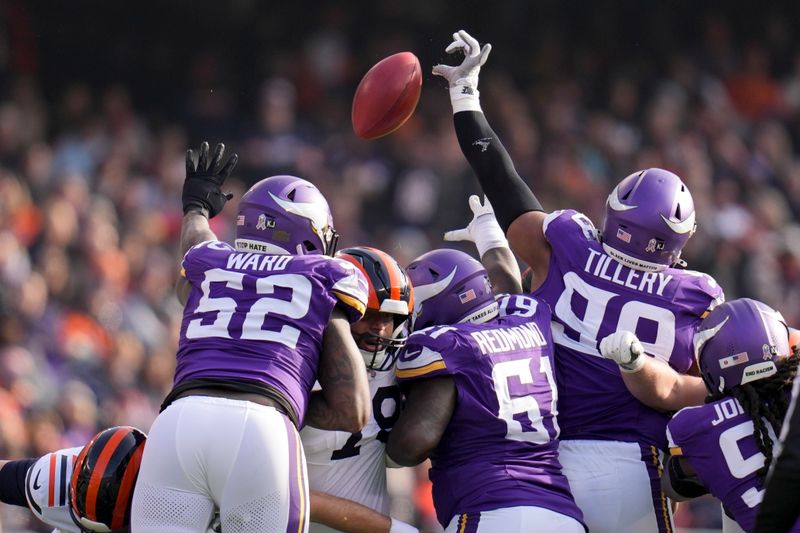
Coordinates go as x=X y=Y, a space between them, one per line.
x=349 y=288
x=567 y=228
x=523 y=305
x=700 y=292
x=196 y=258
x=682 y=428
x=46 y=489
x=422 y=357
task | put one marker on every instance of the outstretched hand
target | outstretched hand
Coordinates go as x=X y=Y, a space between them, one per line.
x=465 y=74
x=483 y=229
x=202 y=188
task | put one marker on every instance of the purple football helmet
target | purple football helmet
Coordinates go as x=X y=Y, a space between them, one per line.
x=285 y=215
x=449 y=287
x=649 y=218
x=740 y=342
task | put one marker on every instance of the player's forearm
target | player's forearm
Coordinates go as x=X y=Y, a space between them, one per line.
x=506 y=190
x=659 y=386
x=503 y=271
x=194 y=230
x=12 y=481
x=346 y=515
x=344 y=402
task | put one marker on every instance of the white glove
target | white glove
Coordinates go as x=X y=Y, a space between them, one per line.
x=624 y=348
x=398 y=526
x=483 y=229
x=463 y=79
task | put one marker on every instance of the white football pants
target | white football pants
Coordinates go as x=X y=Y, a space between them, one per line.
x=204 y=453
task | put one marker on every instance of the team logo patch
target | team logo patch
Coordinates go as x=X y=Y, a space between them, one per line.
x=733 y=360
x=623 y=235
x=467 y=296
x=240 y=220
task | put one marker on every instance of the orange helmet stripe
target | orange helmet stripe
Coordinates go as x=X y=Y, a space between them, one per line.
x=391 y=268
x=372 y=300
x=99 y=469
x=126 y=488
x=77 y=467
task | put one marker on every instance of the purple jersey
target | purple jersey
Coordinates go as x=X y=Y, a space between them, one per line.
x=717 y=440
x=592 y=295
x=260 y=318
x=503 y=431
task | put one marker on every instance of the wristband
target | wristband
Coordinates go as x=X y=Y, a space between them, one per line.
x=465 y=97
x=489 y=236
x=398 y=526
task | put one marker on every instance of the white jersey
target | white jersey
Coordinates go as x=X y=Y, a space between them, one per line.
x=353 y=465
x=47 y=489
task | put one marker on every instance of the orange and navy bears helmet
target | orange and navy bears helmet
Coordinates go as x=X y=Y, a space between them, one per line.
x=103 y=479
x=390 y=291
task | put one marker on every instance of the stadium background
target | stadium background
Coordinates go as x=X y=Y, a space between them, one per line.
x=99 y=101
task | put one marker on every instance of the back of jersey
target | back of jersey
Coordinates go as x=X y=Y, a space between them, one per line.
x=592 y=296
x=503 y=431
x=717 y=440
x=260 y=318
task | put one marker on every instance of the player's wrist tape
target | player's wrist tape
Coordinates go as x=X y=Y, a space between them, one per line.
x=489 y=237
x=634 y=366
x=465 y=98
x=398 y=526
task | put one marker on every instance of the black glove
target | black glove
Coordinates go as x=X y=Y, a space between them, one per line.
x=202 y=188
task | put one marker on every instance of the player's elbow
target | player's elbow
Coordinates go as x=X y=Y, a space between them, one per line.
x=356 y=414
x=406 y=450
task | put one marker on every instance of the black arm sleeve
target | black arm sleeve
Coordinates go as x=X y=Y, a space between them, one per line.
x=780 y=507
x=686 y=486
x=507 y=191
x=12 y=481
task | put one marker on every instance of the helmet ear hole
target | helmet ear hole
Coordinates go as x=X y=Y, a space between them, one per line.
x=309 y=246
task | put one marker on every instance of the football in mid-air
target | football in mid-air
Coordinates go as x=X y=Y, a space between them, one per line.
x=387 y=96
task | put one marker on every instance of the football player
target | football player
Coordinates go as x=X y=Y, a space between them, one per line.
x=725 y=447
x=263 y=320
x=78 y=490
x=481 y=402
x=353 y=465
x=622 y=277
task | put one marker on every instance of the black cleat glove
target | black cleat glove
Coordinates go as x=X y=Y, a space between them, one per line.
x=202 y=188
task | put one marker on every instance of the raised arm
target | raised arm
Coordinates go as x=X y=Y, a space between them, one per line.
x=344 y=401
x=518 y=211
x=429 y=406
x=650 y=380
x=202 y=200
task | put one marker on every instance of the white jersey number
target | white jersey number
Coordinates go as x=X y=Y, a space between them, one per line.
x=520 y=370
x=253 y=326
x=740 y=466
x=588 y=327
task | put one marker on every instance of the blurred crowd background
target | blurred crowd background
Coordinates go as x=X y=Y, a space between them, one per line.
x=100 y=100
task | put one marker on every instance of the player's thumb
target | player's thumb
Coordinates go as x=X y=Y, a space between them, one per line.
x=458 y=235
x=441 y=70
